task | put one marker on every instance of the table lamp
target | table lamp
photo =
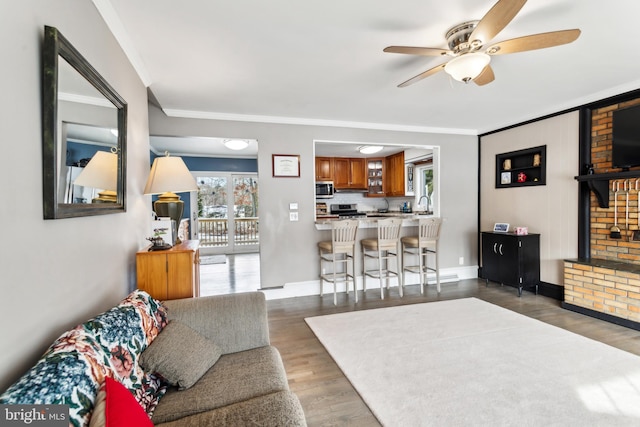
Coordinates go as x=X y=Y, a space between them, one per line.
x=102 y=173
x=169 y=175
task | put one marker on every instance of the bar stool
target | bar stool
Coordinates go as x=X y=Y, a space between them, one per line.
x=383 y=248
x=339 y=250
x=422 y=245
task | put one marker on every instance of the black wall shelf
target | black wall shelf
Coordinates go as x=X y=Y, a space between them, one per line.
x=530 y=164
x=600 y=183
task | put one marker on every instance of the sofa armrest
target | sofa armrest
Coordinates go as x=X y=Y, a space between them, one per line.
x=235 y=322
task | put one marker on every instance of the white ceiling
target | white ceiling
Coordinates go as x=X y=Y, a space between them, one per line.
x=321 y=62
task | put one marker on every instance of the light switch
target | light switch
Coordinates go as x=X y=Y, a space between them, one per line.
x=293 y=216
x=293 y=206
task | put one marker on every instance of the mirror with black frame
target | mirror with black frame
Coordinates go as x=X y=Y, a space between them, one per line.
x=84 y=135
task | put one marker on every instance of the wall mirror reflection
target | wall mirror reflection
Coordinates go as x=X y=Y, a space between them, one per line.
x=84 y=135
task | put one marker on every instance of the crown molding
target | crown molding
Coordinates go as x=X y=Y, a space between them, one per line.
x=189 y=114
x=108 y=13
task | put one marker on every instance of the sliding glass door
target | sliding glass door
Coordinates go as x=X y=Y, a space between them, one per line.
x=225 y=213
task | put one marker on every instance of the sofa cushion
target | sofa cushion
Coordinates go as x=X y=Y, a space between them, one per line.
x=73 y=368
x=279 y=409
x=115 y=406
x=234 y=378
x=167 y=357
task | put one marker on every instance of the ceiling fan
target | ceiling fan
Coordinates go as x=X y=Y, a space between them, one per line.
x=470 y=60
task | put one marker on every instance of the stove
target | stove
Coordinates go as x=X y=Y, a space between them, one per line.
x=346 y=210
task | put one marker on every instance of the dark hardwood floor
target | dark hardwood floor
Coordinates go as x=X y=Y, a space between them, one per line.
x=326 y=395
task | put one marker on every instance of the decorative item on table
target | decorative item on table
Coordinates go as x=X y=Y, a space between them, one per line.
x=159 y=232
x=501 y=227
x=101 y=172
x=522 y=177
x=522 y=231
x=506 y=165
x=170 y=175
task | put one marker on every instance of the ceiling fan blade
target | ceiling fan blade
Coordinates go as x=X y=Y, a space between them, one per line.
x=495 y=20
x=425 y=51
x=422 y=75
x=534 y=41
x=485 y=77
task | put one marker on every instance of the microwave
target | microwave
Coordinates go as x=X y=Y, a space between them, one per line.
x=324 y=189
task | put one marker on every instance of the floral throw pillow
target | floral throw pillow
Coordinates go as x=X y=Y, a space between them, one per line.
x=73 y=368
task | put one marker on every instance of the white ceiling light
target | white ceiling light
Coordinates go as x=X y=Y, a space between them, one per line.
x=370 y=149
x=467 y=67
x=236 y=144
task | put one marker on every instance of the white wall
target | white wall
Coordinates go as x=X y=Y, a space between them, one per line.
x=288 y=249
x=58 y=273
x=551 y=209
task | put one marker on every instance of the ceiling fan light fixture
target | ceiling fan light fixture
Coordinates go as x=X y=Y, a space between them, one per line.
x=468 y=66
x=236 y=144
x=370 y=149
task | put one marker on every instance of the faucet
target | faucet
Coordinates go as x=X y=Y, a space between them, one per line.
x=423 y=197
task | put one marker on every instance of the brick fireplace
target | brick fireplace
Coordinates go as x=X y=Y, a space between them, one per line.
x=607 y=285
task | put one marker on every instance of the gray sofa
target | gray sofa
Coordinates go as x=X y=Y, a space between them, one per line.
x=247 y=385
x=213 y=351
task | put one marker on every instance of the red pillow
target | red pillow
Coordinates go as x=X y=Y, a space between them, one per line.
x=115 y=406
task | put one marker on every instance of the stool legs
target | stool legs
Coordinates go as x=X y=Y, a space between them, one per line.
x=335 y=276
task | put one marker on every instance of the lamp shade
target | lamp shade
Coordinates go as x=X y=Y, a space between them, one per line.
x=101 y=172
x=468 y=66
x=169 y=175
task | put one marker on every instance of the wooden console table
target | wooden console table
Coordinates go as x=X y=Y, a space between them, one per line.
x=170 y=274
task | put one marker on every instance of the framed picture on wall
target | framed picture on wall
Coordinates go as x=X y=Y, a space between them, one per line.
x=286 y=165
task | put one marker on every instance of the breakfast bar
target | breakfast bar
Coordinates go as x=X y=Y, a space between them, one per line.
x=370 y=220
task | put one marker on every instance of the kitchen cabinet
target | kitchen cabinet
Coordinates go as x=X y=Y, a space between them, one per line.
x=511 y=260
x=375 y=177
x=349 y=173
x=324 y=168
x=395 y=182
x=172 y=273
x=521 y=168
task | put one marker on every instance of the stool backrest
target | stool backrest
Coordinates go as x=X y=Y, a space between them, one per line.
x=429 y=229
x=389 y=233
x=343 y=235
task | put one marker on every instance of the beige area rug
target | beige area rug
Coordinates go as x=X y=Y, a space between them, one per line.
x=213 y=259
x=471 y=363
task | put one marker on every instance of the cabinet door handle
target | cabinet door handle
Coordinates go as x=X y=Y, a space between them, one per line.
x=495 y=245
x=500 y=249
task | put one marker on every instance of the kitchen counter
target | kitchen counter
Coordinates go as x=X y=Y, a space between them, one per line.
x=371 y=220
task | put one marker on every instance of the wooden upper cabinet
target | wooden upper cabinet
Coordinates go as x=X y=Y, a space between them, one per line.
x=358 y=169
x=349 y=173
x=394 y=175
x=324 y=168
x=375 y=177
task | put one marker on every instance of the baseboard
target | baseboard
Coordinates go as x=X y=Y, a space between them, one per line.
x=551 y=290
x=544 y=288
x=602 y=316
x=312 y=287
